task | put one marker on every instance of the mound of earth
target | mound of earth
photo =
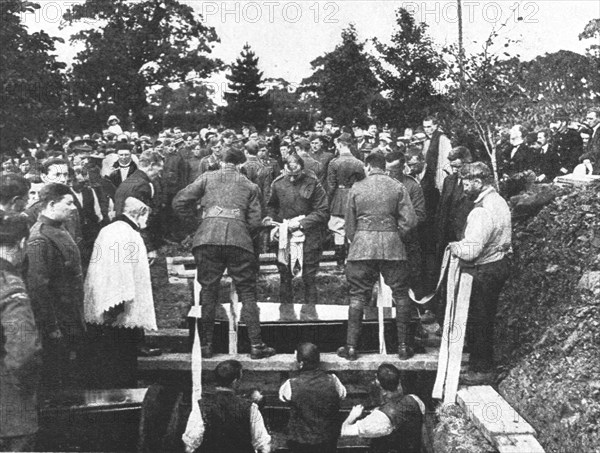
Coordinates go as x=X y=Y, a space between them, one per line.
x=548 y=324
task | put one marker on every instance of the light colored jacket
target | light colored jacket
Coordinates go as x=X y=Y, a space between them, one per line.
x=488 y=230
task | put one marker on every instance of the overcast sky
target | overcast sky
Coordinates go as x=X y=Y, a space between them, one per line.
x=287 y=35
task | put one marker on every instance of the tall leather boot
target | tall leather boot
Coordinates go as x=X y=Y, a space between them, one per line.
x=405 y=351
x=310 y=289
x=349 y=351
x=416 y=344
x=340 y=255
x=286 y=296
x=208 y=298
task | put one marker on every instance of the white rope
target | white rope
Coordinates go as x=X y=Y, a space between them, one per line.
x=194 y=429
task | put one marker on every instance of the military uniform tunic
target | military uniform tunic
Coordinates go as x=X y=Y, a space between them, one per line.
x=55 y=284
x=379 y=215
x=290 y=199
x=231 y=213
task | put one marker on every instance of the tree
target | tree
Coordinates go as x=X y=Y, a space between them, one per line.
x=343 y=80
x=592 y=31
x=245 y=100
x=492 y=95
x=560 y=76
x=30 y=77
x=288 y=105
x=409 y=68
x=133 y=48
x=185 y=106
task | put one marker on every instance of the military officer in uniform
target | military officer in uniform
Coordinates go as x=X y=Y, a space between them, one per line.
x=298 y=194
x=378 y=217
x=20 y=347
x=312 y=166
x=55 y=283
x=342 y=173
x=231 y=214
x=256 y=171
x=260 y=174
x=395 y=165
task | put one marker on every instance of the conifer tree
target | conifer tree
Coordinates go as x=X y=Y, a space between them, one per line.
x=245 y=101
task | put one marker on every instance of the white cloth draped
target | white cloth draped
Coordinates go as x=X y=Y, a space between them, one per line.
x=291 y=246
x=119 y=272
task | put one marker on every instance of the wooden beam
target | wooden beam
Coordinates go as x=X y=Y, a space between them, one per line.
x=498 y=421
x=93 y=400
x=287 y=362
x=181 y=272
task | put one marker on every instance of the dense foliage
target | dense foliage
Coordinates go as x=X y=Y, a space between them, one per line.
x=30 y=77
x=343 y=82
x=133 y=49
x=148 y=62
x=409 y=68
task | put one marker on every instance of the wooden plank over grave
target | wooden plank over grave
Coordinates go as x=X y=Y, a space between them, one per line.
x=497 y=420
x=287 y=362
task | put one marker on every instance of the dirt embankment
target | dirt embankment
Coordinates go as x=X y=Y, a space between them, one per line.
x=548 y=326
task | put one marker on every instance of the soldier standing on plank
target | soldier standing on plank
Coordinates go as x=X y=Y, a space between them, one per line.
x=293 y=195
x=231 y=214
x=378 y=216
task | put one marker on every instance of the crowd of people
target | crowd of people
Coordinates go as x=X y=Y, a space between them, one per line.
x=82 y=219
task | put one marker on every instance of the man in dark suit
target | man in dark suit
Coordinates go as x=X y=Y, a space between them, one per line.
x=124 y=167
x=547 y=158
x=378 y=216
x=140 y=185
x=565 y=142
x=450 y=219
x=425 y=229
x=593 y=121
x=231 y=214
x=90 y=215
x=454 y=206
x=514 y=161
x=516 y=157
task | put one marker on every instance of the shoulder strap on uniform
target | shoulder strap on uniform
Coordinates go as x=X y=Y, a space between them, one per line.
x=281 y=176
